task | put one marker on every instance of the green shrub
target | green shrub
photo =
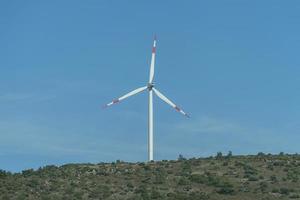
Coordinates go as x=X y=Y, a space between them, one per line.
x=155 y=194
x=183 y=181
x=284 y=191
x=252 y=178
x=294 y=196
x=198 y=196
x=263 y=186
x=275 y=190
x=226 y=189
x=273 y=178
x=197 y=178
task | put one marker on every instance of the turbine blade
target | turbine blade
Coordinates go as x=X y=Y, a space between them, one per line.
x=152 y=61
x=168 y=101
x=134 y=92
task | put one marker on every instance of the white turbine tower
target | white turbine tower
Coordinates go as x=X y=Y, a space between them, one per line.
x=150 y=88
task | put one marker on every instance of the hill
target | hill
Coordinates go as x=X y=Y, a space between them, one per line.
x=214 y=178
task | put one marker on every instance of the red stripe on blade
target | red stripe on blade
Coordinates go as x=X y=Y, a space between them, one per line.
x=153 y=49
x=116 y=101
x=178 y=109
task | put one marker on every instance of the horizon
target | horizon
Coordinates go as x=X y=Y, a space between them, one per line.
x=233 y=66
x=179 y=157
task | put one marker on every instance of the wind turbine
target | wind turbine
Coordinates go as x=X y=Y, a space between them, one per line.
x=150 y=87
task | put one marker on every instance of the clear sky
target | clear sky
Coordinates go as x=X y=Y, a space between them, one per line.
x=232 y=65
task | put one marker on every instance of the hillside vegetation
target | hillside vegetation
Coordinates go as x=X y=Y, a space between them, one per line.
x=214 y=178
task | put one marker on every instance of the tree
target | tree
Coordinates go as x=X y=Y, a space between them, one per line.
x=219 y=155
x=229 y=155
x=181 y=157
x=2 y=173
x=27 y=172
x=261 y=154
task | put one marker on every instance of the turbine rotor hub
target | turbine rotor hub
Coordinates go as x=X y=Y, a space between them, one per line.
x=150 y=86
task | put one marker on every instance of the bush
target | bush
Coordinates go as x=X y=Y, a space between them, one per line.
x=263 y=186
x=294 y=196
x=183 y=181
x=225 y=163
x=284 y=191
x=275 y=190
x=198 y=196
x=186 y=169
x=253 y=178
x=155 y=194
x=249 y=170
x=270 y=167
x=197 y=178
x=146 y=167
x=212 y=180
x=293 y=176
x=226 y=189
x=273 y=178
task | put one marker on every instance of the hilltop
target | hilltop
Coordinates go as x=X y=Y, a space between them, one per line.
x=213 y=178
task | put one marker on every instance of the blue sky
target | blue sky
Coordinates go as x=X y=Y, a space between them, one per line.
x=232 y=65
